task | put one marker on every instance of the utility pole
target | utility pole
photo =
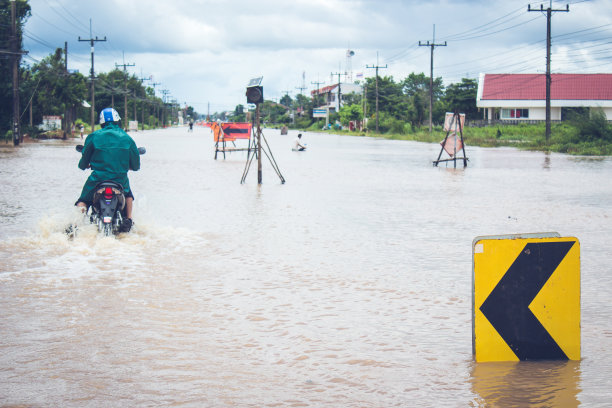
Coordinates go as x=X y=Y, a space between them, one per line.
x=301 y=89
x=144 y=99
x=432 y=46
x=16 y=54
x=156 y=107
x=125 y=92
x=93 y=92
x=318 y=84
x=165 y=92
x=339 y=90
x=377 y=67
x=549 y=11
x=66 y=56
x=67 y=115
x=365 y=104
x=290 y=110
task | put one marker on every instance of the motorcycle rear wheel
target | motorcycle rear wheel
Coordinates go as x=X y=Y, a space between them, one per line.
x=107 y=230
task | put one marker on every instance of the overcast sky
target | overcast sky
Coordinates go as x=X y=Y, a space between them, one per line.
x=205 y=51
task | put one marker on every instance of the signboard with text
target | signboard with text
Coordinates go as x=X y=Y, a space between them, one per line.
x=319 y=113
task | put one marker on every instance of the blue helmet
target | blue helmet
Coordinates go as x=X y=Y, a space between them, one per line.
x=109 y=115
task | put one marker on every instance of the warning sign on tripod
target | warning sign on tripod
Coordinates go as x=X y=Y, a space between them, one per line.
x=453 y=141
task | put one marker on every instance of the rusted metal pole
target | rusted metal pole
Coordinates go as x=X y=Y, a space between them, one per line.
x=257 y=122
x=16 y=60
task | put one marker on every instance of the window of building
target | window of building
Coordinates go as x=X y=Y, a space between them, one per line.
x=515 y=113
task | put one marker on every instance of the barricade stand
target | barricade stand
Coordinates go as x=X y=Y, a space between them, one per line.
x=453 y=124
x=229 y=132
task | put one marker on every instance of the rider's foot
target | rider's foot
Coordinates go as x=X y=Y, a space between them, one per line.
x=126 y=225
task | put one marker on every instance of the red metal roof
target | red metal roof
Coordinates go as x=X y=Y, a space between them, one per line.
x=533 y=87
x=323 y=90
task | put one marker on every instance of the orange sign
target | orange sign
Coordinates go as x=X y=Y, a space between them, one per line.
x=452 y=144
x=233 y=131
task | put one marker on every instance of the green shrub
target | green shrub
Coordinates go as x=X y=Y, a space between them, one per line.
x=594 y=128
x=397 y=127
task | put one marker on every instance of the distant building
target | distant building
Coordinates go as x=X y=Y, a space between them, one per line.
x=332 y=94
x=523 y=96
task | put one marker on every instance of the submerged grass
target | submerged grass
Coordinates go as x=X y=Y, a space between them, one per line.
x=565 y=138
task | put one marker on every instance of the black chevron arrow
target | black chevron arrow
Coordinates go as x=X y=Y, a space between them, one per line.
x=507 y=307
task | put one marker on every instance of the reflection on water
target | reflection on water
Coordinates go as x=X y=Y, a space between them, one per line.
x=349 y=286
x=547 y=162
x=527 y=384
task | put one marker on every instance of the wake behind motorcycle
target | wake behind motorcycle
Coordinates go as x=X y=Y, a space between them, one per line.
x=108 y=208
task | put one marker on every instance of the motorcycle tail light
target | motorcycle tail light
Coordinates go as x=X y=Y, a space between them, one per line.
x=108 y=193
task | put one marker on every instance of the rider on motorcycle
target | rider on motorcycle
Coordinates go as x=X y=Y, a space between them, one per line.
x=110 y=152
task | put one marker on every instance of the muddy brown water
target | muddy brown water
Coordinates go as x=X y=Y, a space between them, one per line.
x=348 y=286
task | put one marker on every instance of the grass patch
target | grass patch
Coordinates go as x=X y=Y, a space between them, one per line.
x=565 y=138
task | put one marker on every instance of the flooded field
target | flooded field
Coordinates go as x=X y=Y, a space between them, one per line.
x=347 y=286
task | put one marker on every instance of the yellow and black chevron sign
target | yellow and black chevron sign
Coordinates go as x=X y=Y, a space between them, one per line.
x=526 y=298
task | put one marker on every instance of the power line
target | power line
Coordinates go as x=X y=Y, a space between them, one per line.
x=63 y=17
x=474 y=30
x=78 y=21
x=495 y=32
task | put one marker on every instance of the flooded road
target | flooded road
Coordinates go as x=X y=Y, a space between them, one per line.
x=348 y=286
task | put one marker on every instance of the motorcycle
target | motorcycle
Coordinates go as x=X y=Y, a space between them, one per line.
x=108 y=208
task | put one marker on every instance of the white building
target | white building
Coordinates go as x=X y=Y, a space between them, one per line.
x=332 y=94
x=523 y=96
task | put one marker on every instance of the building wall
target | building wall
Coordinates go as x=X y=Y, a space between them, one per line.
x=534 y=114
x=537 y=107
x=345 y=89
x=540 y=113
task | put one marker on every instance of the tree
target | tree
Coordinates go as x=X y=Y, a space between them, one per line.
x=462 y=97
x=303 y=105
x=391 y=99
x=350 y=113
x=351 y=99
x=272 y=112
x=239 y=114
x=416 y=89
x=110 y=90
x=53 y=91
x=286 y=100
x=22 y=13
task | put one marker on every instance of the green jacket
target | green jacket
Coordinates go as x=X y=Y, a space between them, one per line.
x=111 y=153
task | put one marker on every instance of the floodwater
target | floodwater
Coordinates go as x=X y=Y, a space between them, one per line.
x=347 y=286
